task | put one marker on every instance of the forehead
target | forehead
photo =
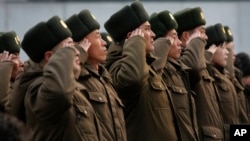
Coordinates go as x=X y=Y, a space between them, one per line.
x=145 y=24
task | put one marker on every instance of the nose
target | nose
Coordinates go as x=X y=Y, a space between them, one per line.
x=104 y=43
x=205 y=36
x=77 y=52
x=21 y=64
x=152 y=34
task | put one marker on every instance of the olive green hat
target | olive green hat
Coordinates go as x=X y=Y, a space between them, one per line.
x=228 y=34
x=10 y=42
x=82 y=24
x=107 y=38
x=43 y=37
x=162 y=22
x=125 y=20
x=189 y=18
x=216 y=35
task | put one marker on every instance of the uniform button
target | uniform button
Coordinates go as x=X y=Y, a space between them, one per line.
x=100 y=98
x=180 y=90
x=85 y=112
x=214 y=135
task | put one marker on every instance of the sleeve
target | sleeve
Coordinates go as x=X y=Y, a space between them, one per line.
x=131 y=71
x=162 y=47
x=5 y=71
x=193 y=56
x=55 y=94
x=208 y=56
x=83 y=54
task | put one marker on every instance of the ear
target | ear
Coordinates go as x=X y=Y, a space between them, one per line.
x=47 y=55
x=129 y=34
x=185 y=35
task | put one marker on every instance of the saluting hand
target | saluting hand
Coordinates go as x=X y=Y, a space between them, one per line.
x=212 y=48
x=85 y=44
x=194 y=35
x=171 y=40
x=5 y=56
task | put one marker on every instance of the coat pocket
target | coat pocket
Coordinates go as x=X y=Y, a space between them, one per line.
x=158 y=86
x=211 y=134
x=97 y=97
x=224 y=87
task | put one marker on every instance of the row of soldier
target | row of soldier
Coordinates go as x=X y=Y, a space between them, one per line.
x=164 y=77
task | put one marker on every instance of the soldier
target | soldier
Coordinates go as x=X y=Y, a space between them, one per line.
x=136 y=75
x=175 y=73
x=55 y=108
x=242 y=62
x=227 y=93
x=95 y=77
x=191 y=31
x=10 y=66
x=232 y=71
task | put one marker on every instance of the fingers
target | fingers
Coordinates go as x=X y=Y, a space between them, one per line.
x=137 y=32
x=171 y=40
x=5 y=56
x=85 y=44
x=212 y=48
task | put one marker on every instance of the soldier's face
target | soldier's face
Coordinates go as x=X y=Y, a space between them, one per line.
x=175 y=50
x=97 y=52
x=149 y=36
x=220 y=56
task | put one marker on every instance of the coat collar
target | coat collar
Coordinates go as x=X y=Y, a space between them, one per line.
x=87 y=71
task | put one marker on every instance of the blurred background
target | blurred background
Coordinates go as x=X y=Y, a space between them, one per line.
x=21 y=15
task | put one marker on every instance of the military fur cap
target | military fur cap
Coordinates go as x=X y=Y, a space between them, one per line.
x=82 y=24
x=162 y=22
x=242 y=62
x=216 y=35
x=228 y=34
x=10 y=42
x=189 y=18
x=107 y=38
x=43 y=37
x=125 y=20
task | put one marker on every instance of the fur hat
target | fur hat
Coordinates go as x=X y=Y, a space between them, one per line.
x=125 y=20
x=82 y=24
x=242 y=62
x=107 y=38
x=216 y=35
x=189 y=18
x=162 y=22
x=43 y=37
x=229 y=34
x=10 y=42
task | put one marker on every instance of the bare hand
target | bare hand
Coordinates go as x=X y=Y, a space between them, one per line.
x=85 y=44
x=137 y=32
x=194 y=35
x=171 y=40
x=212 y=48
x=5 y=56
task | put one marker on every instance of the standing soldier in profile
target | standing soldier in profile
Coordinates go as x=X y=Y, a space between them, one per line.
x=94 y=76
x=191 y=32
x=175 y=73
x=54 y=105
x=136 y=74
x=10 y=66
x=232 y=71
x=229 y=103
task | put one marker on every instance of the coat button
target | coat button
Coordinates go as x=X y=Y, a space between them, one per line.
x=100 y=98
x=85 y=112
